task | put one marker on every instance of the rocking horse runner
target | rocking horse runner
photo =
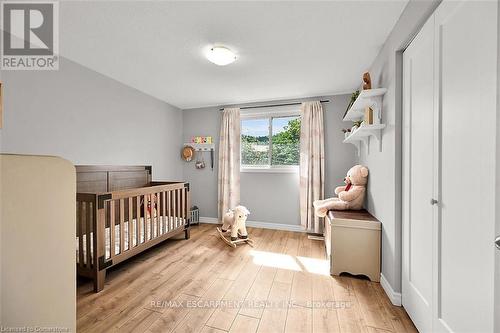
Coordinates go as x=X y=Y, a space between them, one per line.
x=234 y=221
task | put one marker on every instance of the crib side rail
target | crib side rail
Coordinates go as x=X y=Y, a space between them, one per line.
x=131 y=220
x=157 y=187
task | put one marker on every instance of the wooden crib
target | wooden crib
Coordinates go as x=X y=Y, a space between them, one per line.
x=121 y=212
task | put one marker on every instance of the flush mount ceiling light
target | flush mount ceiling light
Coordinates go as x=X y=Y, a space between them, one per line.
x=221 y=55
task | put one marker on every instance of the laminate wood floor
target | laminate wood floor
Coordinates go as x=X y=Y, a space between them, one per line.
x=203 y=285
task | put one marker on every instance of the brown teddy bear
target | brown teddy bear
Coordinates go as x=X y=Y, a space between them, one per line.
x=350 y=197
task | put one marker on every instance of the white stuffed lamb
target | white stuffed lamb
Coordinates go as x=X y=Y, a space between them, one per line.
x=235 y=220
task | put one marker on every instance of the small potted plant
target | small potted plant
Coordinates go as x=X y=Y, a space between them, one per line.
x=356 y=125
x=347 y=132
x=351 y=102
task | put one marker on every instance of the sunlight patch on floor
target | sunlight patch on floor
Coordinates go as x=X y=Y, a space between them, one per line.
x=315 y=266
x=277 y=260
x=293 y=263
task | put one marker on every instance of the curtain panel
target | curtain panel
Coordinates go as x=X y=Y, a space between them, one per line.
x=229 y=161
x=312 y=165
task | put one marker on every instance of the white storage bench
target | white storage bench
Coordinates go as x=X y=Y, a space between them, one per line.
x=352 y=241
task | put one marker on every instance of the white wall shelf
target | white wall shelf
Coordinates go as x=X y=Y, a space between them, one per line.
x=363 y=133
x=371 y=98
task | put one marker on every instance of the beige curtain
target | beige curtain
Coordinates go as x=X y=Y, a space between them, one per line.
x=229 y=161
x=312 y=164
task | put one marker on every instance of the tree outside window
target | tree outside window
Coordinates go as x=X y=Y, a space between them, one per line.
x=270 y=142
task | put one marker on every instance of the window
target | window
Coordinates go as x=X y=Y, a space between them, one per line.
x=270 y=142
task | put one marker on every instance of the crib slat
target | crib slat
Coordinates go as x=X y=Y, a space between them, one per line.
x=179 y=208
x=88 y=211
x=157 y=218
x=153 y=219
x=161 y=231
x=145 y=211
x=164 y=208
x=184 y=205
x=80 y=233
x=169 y=210
x=181 y=213
x=130 y=221
x=174 y=203
x=160 y=219
x=138 y=220
x=151 y=216
x=122 y=225
x=112 y=228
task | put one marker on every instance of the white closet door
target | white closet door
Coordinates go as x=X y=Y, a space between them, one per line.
x=418 y=174
x=466 y=41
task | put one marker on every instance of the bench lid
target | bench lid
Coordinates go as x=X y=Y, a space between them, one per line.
x=353 y=219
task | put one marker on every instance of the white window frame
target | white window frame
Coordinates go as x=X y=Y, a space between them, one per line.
x=269 y=113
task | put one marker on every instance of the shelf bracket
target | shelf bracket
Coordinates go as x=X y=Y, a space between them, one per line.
x=378 y=135
x=357 y=144
x=366 y=140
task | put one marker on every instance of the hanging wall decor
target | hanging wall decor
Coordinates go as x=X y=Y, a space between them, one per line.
x=201 y=139
x=187 y=153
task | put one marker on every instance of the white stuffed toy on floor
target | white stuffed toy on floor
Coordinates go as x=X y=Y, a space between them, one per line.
x=234 y=221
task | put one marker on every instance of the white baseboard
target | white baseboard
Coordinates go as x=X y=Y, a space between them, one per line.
x=211 y=220
x=393 y=296
x=257 y=224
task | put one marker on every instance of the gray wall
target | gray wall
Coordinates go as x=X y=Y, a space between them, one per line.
x=88 y=118
x=1 y=225
x=384 y=187
x=497 y=201
x=271 y=197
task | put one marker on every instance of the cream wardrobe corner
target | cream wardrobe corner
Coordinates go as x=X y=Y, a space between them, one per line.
x=37 y=258
x=449 y=156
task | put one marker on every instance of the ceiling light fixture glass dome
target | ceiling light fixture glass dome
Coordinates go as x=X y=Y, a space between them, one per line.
x=221 y=55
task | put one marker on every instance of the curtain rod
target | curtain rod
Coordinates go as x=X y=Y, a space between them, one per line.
x=274 y=105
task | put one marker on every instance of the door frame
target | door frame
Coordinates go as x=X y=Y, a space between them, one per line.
x=497 y=194
x=406 y=149
x=400 y=150
x=399 y=133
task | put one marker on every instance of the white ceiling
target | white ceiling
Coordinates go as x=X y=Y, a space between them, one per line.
x=285 y=49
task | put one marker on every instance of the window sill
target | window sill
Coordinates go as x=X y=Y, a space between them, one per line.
x=270 y=170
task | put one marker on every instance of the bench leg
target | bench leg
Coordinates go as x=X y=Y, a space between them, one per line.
x=99 y=280
x=187 y=233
